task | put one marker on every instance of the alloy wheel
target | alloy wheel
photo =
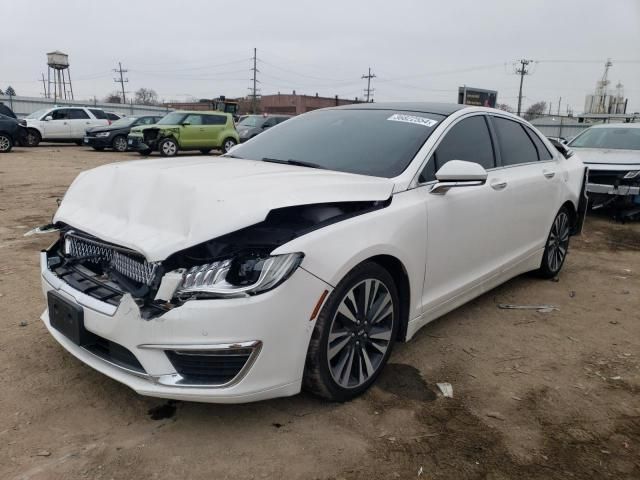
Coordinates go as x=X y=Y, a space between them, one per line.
x=120 y=144
x=360 y=333
x=5 y=143
x=558 y=242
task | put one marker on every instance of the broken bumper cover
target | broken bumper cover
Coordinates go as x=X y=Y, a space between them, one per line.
x=273 y=329
x=138 y=143
x=605 y=189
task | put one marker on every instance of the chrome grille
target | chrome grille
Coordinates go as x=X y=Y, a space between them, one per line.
x=127 y=262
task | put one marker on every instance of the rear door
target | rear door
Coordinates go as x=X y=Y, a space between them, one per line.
x=79 y=121
x=465 y=226
x=59 y=126
x=533 y=183
x=215 y=126
x=101 y=118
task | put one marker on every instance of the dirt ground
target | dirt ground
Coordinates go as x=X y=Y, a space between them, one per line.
x=536 y=395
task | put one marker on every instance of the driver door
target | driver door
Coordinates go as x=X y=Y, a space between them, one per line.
x=191 y=134
x=465 y=225
x=58 y=127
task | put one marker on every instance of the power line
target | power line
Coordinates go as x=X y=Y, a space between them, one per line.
x=368 y=90
x=522 y=71
x=122 y=80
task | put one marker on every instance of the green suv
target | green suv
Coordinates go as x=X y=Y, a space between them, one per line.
x=181 y=130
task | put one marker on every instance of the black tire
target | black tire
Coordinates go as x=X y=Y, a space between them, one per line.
x=146 y=152
x=33 y=138
x=78 y=142
x=205 y=151
x=228 y=144
x=168 y=147
x=6 y=143
x=119 y=143
x=359 y=341
x=98 y=149
x=557 y=245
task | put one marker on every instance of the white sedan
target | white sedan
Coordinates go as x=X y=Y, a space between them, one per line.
x=297 y=260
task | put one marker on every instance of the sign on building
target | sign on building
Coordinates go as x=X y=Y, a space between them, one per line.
x=477 y=97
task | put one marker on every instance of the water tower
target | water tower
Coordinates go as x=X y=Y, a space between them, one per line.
x=59 y=76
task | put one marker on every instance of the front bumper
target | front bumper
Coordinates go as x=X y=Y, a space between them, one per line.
x=98 y=142
x=278 y=320
x=138 y=143
x=605 y=189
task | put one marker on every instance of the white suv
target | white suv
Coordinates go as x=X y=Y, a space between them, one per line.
x=63 y=124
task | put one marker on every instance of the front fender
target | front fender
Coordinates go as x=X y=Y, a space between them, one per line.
x=399 y=230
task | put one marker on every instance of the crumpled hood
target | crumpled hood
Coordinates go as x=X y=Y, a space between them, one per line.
x=609 y=159
x=158 y=207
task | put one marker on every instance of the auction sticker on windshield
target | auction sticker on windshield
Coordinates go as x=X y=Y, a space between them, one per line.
x=399 y=117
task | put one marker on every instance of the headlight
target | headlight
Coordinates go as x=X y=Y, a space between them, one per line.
x=242 y=275
x=103 y=134
x=632 y=174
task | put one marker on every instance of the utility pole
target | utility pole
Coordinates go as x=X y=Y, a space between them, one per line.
x=368 y=90
x=122 y=80
x=254 y=89
x=522 y=71
x=44 y=86
x=559 y=102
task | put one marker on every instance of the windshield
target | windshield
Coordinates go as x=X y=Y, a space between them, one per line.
x=615 y=138
x=38 y=113
x=124 y=122
x=173 y=118
x=380 y=143
x=252 y=121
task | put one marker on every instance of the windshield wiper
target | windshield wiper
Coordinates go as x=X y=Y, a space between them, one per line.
x=298 y=163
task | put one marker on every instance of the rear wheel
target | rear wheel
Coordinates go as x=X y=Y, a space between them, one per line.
x=33 y=138
x=119 y=143
x=354 y=334
x=6 y=143
x=557 y=246
x=228 y=144
x=168 y=147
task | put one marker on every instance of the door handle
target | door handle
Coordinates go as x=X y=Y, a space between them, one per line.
x=548 y=173
x=499 y=184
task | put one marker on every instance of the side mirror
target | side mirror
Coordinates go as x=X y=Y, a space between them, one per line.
x=186 y=124
x=458 y=173
x=48 y=118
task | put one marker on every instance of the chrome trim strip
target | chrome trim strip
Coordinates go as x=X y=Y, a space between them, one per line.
x=612 y=189
x=199 y=346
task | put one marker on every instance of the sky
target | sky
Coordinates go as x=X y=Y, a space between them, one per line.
x=418 y=50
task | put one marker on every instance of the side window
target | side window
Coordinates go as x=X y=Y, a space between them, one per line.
x=215 y=119
x=269 y=122
x=515 y=145
x=102 y=115
x=467 y=140
x=282 y=119
x=60 y=114
x=77 y=114
x=543 y=153
x=193 y=119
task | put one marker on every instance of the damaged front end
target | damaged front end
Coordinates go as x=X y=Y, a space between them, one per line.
x=238 y=264
x=148 y=138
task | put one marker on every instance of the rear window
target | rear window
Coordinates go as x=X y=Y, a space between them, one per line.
x=380 y=143
x=99 y=114
x=214 y=119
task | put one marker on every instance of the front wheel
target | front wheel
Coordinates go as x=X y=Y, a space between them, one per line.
x=145 y=152
x=6 y=143
x=33 y=138
x=354 y=334
x=119 y=143
x=168 y=147
x=228 y=144
x=557 y=246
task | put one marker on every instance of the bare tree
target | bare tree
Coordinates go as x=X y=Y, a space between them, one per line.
x=535 y=110
x=504 y=107
x=113 y=97
x=146 y=96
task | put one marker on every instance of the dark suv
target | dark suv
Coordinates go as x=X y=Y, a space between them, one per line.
x=11 y=132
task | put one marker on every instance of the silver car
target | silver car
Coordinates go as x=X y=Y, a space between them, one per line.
x=612 y=153
x=253 y=125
